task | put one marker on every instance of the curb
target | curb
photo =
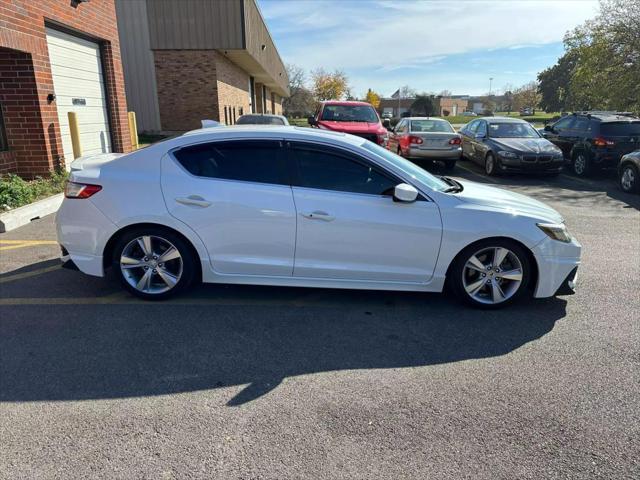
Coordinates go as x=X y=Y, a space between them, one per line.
x=23 y=215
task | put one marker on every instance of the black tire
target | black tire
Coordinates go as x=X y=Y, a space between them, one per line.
x=491 y=165
x=187 y=258
x=449 y=164
x=457 y=274
x=629 y=178
x=581 y=164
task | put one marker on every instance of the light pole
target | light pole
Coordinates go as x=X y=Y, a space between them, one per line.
x=490 y=82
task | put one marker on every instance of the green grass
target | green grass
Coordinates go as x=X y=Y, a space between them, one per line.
x=16 y=192
x=298 y=122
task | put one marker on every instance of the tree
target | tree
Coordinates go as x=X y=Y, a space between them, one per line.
x=423 y=104
x=526 y=96
x=373 y=98
x=329 y=86
x=553 y=84
x=300 y=102
x=601 y=66
x=445 y=93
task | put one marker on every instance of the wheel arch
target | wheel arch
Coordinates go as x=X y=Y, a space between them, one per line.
x=107 y=255
x=531 y=257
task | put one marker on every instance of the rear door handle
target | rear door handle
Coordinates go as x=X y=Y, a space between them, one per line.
x=318 y=215
x=193 y=200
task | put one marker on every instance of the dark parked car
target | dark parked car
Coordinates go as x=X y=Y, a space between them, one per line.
x=629 y=172
x=595 y=140
x=261 y=119
x=502 y=144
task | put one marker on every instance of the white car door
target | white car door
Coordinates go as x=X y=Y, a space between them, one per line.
x=236 y=195
x=349 y=226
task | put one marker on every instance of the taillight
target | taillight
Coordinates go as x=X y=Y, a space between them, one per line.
x=416 y=140
x=455 y=141
x=80 y=190
x=603 y=142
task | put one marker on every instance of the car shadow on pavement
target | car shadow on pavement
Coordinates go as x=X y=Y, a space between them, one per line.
x=229 y=336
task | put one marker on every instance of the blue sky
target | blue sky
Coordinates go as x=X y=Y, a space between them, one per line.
x=428 y=45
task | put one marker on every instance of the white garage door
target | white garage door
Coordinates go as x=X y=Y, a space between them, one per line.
x=79 y=87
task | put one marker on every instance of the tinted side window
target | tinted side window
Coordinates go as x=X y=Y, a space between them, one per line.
x=482 y=128
x=581 y=124
x=472 y=127
x=249 y=161
x=326 y=169
x=563 y=124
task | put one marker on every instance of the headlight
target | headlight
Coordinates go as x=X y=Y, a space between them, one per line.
x=505 y=154
x=556 y=231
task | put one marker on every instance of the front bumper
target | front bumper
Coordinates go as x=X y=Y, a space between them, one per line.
x=517 y=164
x=435 y=154
x=557 y=266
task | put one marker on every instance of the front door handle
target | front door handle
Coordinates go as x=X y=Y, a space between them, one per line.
x=193 y=200
x=318 y=215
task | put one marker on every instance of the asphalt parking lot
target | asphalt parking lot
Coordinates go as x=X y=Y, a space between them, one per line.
x=272 y=383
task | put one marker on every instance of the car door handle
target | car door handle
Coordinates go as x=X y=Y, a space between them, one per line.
x=318 y=215
x=193 y=200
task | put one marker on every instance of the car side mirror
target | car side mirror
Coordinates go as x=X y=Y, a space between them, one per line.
x=404 y=192
x=548 y=128
x=311 y=121
x=386 y=124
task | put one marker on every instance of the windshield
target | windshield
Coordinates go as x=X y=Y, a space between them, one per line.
x=512 y=130
x=349 y=113
x=437 y=126
x=259 y=120
x=411 y=168
x=620 y=129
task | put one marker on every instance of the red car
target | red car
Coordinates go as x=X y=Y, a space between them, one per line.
x=356 y=118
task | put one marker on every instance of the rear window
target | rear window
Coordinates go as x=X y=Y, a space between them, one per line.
x=431 y=126
x=248 y=161
x=349 y=113
x=620 y=129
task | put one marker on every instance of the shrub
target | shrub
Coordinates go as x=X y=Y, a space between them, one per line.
x=16 y=192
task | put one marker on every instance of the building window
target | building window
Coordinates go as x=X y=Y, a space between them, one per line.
x=252 y=94
x=264 y=99
x=234 y=115
x=226 y=116
x=4 y=145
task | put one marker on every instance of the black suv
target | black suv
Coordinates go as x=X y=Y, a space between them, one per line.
x=593 y=140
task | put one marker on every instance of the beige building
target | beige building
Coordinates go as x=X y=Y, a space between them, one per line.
x=189 y=60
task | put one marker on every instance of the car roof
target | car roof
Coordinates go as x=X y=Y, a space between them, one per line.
x=346 y=102
x=270 y=131
x=605 y=117
x=503 y=120
x=427 y=118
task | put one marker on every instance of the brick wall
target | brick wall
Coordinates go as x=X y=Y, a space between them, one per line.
x=23 y=31
x=187 y=88
x=233 y=89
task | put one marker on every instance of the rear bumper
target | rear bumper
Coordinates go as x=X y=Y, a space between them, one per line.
x=451 y=154
x=83 y=232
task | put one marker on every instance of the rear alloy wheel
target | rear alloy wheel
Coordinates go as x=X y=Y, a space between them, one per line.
x=629 y=179
x=154 y=265
x=491 y=274
x=581 y=164
x=491 y=165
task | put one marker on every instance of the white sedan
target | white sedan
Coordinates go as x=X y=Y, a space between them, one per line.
x=299 y=207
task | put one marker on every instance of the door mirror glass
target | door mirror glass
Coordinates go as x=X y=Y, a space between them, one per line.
x=311 y=121
x=548 y=128
x=405 y=193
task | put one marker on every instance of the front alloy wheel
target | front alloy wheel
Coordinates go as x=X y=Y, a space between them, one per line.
x=490 y=165
x=491 y=274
